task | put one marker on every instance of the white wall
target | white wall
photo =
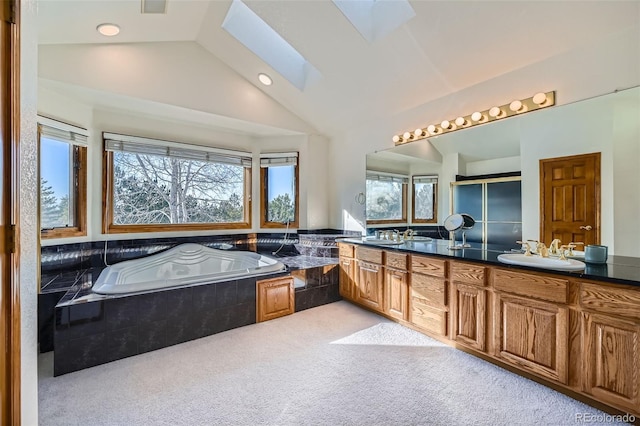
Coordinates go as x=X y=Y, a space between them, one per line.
x=497 y=165
x=29 y=261
x=595 y=69
x=133 y=70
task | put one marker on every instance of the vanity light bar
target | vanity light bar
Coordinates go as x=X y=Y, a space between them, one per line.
x=517 y=107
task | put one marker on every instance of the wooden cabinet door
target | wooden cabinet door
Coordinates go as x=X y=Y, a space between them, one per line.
x=468 y=315
x=275 y=299
x=347 y=280
x=396 y=294
x=611 y=362
x=369 y=292
x=532 y=335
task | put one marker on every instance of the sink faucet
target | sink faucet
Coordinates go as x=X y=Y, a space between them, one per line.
x=528 y=247
x=542 y=249
x=554 y=246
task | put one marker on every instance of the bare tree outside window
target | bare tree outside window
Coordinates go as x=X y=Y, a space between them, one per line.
x=384 y=200
x=153 y=189
x=424 y=200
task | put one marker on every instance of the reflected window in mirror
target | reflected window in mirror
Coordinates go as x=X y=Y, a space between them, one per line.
x=424 y=199
x=63 y=179
x=386 y=198
x=279 y=190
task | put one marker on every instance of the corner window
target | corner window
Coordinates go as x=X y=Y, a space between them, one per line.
x=425 y=199
x=155 y=185
x=279 y=190
x=63 y=179
x=386 y=198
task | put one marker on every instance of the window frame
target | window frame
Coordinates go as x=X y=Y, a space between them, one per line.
x=413 y=201
x=109 y=227
x=404 y=194
x=264 y=194
x=79 y=184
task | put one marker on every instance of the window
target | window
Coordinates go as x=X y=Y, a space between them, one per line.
x=63 y=179
x=154 y=185
x=425 y=199
x=279 y=190
x=386 y=198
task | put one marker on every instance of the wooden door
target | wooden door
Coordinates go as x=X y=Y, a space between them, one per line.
x=396 y=294
x=468 y=315
x=369 y=291
x=612 y=360
x=347 y=282
x=532 y=335
x=570 y=199
x=276 y=298
x=9 y=291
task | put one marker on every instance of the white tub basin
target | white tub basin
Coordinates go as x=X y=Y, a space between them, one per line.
x=541 y=262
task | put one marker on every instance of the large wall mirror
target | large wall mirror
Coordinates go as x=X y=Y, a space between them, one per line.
x=608 y=124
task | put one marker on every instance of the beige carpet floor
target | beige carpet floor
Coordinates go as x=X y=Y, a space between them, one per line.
x=332 y=365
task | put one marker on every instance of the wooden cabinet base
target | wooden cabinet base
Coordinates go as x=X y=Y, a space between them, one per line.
x=275 y=299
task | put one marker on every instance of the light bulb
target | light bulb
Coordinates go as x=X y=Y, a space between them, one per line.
x=539 y=98
x=515 y=106
x=495 y=112
x=406 y=136
x=265 y=79
x=418 y=133
x=396 y=138
x=108 y=30
x=445 y=125
x=432 y=129
x=460 y=121
x=477 y=116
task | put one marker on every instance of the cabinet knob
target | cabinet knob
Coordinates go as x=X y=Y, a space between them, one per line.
x=587 y=228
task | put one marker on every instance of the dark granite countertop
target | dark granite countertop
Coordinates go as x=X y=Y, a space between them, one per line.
x=618 y=269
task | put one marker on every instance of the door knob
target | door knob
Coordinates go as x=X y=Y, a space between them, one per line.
x=586 y=228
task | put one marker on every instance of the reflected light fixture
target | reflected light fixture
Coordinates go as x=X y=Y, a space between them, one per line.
x=108 y=30
x=516 y=107
x=265 y=79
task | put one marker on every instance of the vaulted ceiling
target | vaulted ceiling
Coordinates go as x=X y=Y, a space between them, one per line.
x=446 y=47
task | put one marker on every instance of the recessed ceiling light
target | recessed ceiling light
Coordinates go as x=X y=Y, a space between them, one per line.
x=265 y=79
x=108 y=30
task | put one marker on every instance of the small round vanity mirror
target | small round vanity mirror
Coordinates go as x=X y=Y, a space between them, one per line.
x=454 y=222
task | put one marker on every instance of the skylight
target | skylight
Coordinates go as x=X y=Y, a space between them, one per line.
x=375 y=19
x=250 y=30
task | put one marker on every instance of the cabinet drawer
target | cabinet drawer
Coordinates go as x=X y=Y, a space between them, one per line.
x=601 y=298
x=468 y=273
x=427 y=318
x=396 y=260
x=428 y=266
x=530 y=285
x=345 y=250
x=369 y=255
x=429 y=290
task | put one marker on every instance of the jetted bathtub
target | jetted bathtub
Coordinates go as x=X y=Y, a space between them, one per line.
x=186 y=264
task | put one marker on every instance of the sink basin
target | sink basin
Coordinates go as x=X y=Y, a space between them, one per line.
x=541 y=262
x=419 y=238
x=381 y=241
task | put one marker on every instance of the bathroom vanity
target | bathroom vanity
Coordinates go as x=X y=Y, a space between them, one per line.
x=577 y=332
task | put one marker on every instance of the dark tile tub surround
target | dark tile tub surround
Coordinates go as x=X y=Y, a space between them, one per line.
x=100 y=331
